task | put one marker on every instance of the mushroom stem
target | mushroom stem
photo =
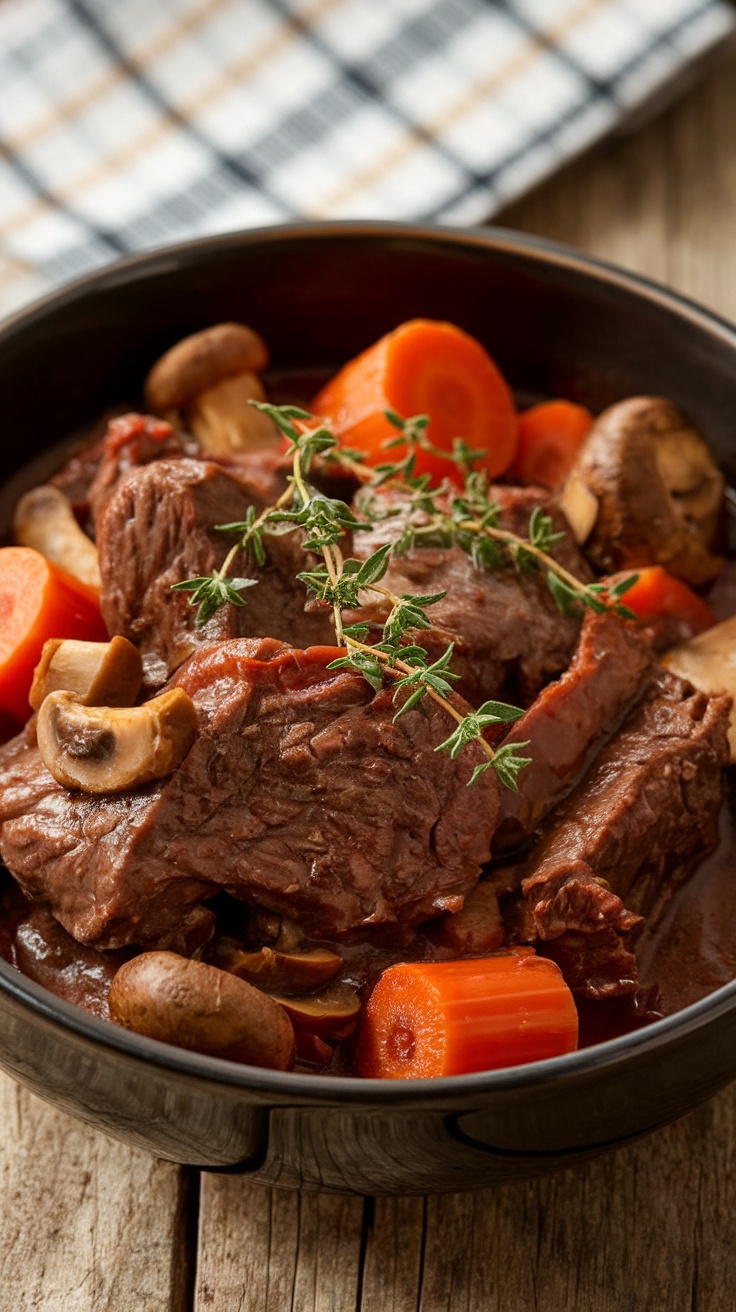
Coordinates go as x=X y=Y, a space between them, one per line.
x=98 y=673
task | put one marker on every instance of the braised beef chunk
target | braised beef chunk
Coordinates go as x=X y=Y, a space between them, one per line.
x=132 y=440
x=300 y=795
x=129 y=441
x=508 y=632
x=157 y=529
x=571 y=719
x=649 y=803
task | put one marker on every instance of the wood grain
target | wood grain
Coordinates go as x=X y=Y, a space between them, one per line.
x=272 y=1250
x=661 y=201
x=85 y=1223
x=89 y=1225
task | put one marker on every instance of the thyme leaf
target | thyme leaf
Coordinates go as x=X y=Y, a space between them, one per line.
x=212 y=591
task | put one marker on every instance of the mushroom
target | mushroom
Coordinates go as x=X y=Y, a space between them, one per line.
x=104 y=749
x=579 y=506
x=708 y=662
x=98 y=673
x=210 y=379
x=331 y=1014
x=44 y=519
x=279 y=972
x=196 y=1006
x=658 y=490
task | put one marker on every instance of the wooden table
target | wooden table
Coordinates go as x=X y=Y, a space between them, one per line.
x=87 y=1224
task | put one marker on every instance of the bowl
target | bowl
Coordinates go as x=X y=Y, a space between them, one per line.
x=558 y=324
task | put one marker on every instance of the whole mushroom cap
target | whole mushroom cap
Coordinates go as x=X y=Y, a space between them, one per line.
x=202 y=360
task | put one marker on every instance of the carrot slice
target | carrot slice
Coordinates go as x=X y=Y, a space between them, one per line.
x=549 y=437
x=37 y=601
x=451 y=1017
x=423 y=367
x=657 y=595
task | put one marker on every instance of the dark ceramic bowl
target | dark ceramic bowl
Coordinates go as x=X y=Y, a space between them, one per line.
x=558 y=324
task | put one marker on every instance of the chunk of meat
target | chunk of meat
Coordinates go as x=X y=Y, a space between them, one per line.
x=300 y=795
x=649 y=805
x=157 y=529
x=131 y=441
x=572 y=718
x=509 y=636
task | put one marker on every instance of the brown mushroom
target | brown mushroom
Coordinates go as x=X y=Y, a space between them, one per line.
x=104 y=749
x=477 y=927
x=279 y=972
x=196 y=1006
x=44 y=519
x=209 y=379
x=97 y=673
x=658 y=489
x=331 y=1014
x=708 y=662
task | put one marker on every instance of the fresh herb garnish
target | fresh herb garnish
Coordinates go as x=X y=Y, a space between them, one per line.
x=468 y=518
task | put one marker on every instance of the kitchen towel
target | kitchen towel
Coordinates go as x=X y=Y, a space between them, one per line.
x=125 y=124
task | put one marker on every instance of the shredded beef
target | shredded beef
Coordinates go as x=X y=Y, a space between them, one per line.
x=300 y=795
x=508 y=633
x=158 y=529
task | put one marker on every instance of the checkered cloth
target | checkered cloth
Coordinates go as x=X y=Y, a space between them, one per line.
x=126 y=124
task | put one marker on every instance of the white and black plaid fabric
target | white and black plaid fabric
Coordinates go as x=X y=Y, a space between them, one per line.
x=130 y=123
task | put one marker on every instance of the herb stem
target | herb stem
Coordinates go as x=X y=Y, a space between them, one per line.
x=410 y=669
x=242 y=543
x=511 y=539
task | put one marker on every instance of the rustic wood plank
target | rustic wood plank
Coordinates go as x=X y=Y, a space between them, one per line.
x=88 y=1225
x=660 y=202
x=268 y=1250
x=647 y=1227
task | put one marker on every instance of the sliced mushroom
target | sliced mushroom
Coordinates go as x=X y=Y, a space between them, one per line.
x=331 y=1014
x=658 y=489
x=103 y=749
x=98 y=673
x=279 y=972
x=209 y=379
x=45 y=520
x=579 y=506
x=196 y=1006
x=708 y=662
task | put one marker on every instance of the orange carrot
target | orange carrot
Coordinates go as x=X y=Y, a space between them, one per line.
x=423 y=367
x=37 y=601
x=549 y=437
x=657 y=595
x=451 y=1017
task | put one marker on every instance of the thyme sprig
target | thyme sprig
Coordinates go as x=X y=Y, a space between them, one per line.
x=468 y=517
x=339 y=582
x=473 y=520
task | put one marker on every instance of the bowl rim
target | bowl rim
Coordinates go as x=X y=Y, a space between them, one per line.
x=312 y=1087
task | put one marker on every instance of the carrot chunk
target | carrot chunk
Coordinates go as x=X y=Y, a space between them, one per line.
x=37 y=602
x=423 y=367
x=657 y=595
x=452 y=1017
x=549 y=437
